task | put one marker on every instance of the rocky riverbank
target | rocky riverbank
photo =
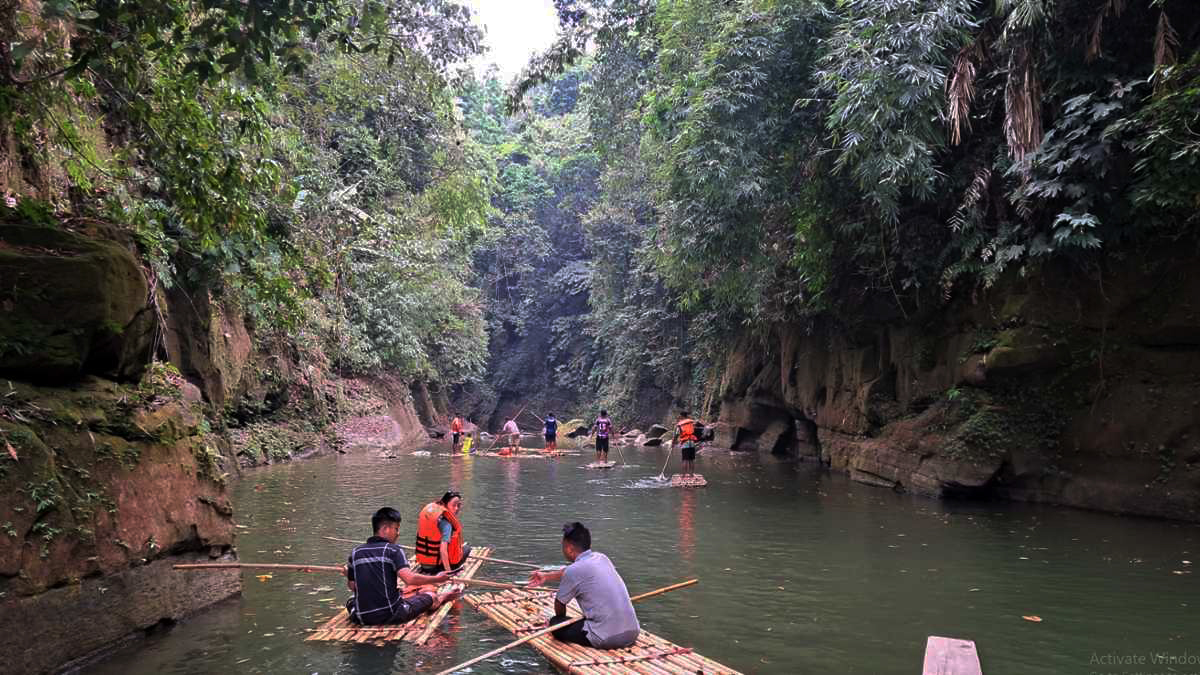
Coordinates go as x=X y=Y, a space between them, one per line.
x=1064 y=387
x=125 y=410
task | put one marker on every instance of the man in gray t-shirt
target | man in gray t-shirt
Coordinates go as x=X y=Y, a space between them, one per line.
x=590 y=579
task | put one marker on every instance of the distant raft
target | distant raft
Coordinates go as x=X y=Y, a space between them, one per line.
x=522 y=612
x=600 y=465
x=419 y=630
x=694 y=480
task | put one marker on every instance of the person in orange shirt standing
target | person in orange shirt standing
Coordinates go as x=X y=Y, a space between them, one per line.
x=456 y=427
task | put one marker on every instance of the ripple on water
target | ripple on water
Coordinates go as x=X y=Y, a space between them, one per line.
x=802 y=570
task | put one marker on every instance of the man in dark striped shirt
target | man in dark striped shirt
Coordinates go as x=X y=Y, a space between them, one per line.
x=372 y=572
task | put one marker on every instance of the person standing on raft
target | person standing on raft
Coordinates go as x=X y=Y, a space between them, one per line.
x=603 y=427
x=439 y=536
x=374 y=570
x=609 y=620
x=686 y=438
x=513 y=436
x=456 y=427
x=550 y=430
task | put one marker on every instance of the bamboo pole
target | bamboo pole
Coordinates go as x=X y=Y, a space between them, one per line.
x=497 y=438
x=662 y=475
x=330 y=568
x=478 y=557
x=552 y=628
x=265 y=566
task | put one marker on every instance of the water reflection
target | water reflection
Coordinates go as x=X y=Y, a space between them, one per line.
x=801 y=570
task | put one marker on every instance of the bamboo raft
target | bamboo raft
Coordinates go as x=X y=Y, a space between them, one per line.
x=694 y=480
x=600 y=465
x=419 y=630
x=522 y=612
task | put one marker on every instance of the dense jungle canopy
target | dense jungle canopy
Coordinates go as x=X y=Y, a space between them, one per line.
x=669 y=174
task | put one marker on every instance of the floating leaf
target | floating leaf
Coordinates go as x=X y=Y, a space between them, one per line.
x=1033 y=618
x=12 y=452
x=263 y=577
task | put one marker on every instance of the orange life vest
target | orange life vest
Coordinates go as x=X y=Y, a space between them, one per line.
x=429 y=536
x=687 y=429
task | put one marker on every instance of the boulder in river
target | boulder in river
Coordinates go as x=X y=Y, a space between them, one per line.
x=656 y=431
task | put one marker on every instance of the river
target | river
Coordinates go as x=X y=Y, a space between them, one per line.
x=801 y=570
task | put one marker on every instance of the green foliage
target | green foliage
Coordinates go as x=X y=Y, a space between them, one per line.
x=1162 y=135
x=885 y=66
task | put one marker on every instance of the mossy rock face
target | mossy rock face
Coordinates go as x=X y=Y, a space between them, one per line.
x=70 y=305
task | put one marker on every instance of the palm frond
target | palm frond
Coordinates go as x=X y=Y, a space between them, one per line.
x=1113 y=7
x=1166 y=42
x=1022 y=104
x=960 y=89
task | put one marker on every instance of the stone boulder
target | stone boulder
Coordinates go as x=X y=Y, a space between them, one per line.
x=656 y=431
x=71 y=305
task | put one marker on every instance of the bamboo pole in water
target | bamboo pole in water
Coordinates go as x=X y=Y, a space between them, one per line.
x=554 y=627
x=327 y=568
x=263 y=566
x=495 y=560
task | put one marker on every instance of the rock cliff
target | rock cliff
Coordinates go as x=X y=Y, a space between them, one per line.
x=124 y=412
x=1067 y=386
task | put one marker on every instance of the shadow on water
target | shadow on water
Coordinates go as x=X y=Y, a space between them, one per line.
x=801 y=570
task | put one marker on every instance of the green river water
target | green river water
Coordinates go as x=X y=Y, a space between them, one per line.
x=801 y=570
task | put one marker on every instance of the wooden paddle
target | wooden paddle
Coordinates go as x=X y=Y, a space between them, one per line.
x=479 y=557
x=329 y=568
x=554 y=627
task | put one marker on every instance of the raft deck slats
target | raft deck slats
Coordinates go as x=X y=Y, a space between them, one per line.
x=419 y=630
x=950 y=656
x=694 y=480
x=522 y=612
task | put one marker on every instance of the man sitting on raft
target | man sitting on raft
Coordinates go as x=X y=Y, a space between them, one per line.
x=372 y=573
x=609 y=620
x=439 y=536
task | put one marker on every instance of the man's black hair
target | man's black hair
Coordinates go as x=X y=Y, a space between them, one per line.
x=451 y=494
x=683 y=413
x=549 y=414
x=603 y=413
x=578 y=535
x=383 y=516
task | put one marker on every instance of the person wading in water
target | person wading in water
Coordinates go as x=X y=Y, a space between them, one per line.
x=603 y=427
x=609 y=620
x=550 y=429
x=372 y=572
x=686 y=437
x=439 y=536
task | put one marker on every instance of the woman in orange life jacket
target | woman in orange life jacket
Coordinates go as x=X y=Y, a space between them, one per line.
x=439 y=536
x=687 y=437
